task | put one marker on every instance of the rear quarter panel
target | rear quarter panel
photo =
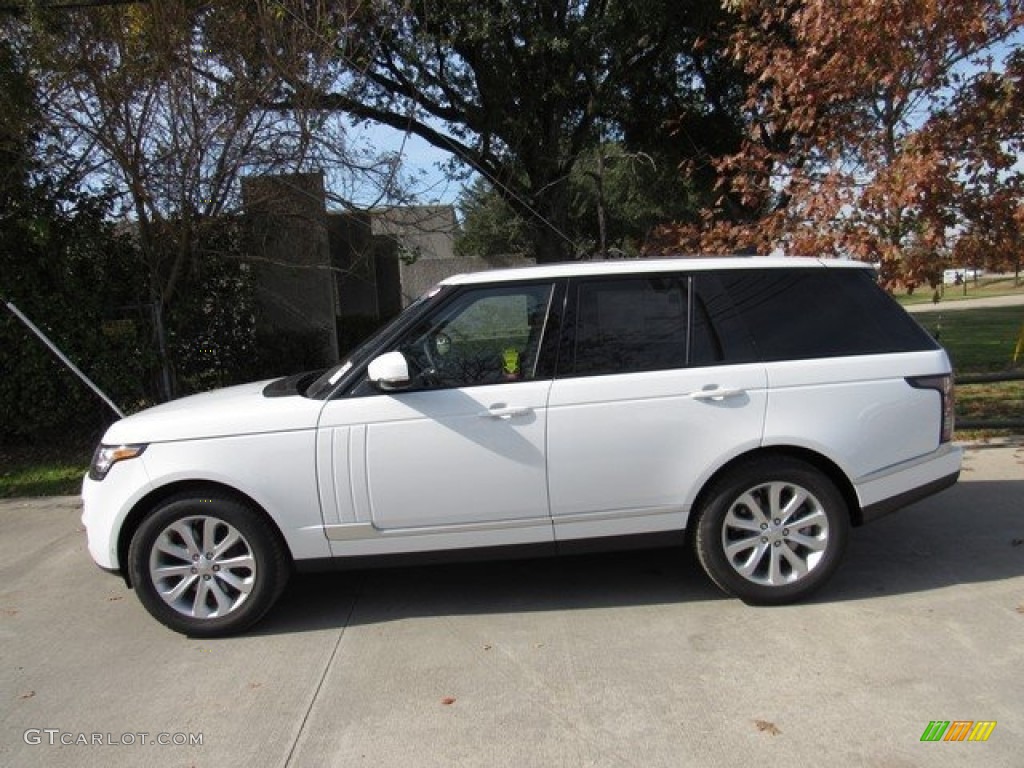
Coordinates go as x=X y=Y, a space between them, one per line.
x=858 y=411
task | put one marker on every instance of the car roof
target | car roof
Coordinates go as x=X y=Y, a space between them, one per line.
x=645 y=266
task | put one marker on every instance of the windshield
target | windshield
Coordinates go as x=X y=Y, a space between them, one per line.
x=332 y=376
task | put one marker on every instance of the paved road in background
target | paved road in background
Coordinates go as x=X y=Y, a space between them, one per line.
x=961 y=304
x=613 y=660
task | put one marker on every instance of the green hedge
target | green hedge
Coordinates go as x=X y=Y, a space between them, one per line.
x=70 y=273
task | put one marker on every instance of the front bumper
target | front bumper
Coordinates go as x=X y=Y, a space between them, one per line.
x=105 y=507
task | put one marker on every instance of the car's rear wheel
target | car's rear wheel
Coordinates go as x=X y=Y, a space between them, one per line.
x=207 y=565
x=772 y=530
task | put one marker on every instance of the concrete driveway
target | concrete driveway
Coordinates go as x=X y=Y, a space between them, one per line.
x=612 y=660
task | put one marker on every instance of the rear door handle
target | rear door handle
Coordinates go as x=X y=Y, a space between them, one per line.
x=506 y=412
x=717 y=394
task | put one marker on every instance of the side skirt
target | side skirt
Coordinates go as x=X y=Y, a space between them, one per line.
x=484 y=554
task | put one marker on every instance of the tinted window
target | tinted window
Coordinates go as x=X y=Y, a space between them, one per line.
x=806 y=313
x=719 y=336
x=630 y=324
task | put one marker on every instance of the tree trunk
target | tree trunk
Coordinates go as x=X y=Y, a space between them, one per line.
x=166 y=377
x=548 y=220
x=549 y=247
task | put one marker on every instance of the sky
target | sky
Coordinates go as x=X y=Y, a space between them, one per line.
x=422 y=162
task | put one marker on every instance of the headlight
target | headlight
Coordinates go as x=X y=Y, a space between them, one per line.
x=107 y=456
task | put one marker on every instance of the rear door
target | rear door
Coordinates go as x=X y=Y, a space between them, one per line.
x=657 y=387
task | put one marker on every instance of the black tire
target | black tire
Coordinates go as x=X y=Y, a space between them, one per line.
x=212 y=593
x=775 y=558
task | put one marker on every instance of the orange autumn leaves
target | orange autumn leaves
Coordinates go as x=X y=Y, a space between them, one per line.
x=883 y=131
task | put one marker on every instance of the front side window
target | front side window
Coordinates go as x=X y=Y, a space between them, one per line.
x=487 y=335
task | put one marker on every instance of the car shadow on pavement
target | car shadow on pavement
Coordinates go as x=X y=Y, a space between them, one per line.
x=577 y=582
x=971 y=533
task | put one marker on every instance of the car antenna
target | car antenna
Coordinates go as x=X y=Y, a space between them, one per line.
x=62 y=357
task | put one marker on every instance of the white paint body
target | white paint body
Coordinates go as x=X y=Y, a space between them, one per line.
x=529 y=461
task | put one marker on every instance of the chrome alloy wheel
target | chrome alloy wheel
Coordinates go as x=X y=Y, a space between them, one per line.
x=775 y=534
x=202 y=567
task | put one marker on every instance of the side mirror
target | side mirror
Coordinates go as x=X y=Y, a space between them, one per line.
x=389 y=372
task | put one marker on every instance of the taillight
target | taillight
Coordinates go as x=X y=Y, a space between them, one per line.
x=944 y=386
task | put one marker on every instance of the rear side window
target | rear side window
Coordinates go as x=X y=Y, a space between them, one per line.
x=719 y=336
x=630 y=324
x=806 y=313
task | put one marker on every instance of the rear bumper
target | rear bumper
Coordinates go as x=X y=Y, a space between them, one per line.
x=896 y=487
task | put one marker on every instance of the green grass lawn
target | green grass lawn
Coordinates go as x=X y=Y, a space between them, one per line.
x=990 y=402
x=978 y=340
x=36 y=472
x=982 y=341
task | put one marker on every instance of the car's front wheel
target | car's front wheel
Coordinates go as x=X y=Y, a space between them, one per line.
x=207 y=565
x=772 y=531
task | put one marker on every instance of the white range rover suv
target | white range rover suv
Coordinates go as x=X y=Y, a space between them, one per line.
x=757 y=408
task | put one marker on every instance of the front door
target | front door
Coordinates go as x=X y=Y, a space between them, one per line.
x=462 y=449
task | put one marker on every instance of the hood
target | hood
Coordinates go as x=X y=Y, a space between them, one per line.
x=240 y=410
